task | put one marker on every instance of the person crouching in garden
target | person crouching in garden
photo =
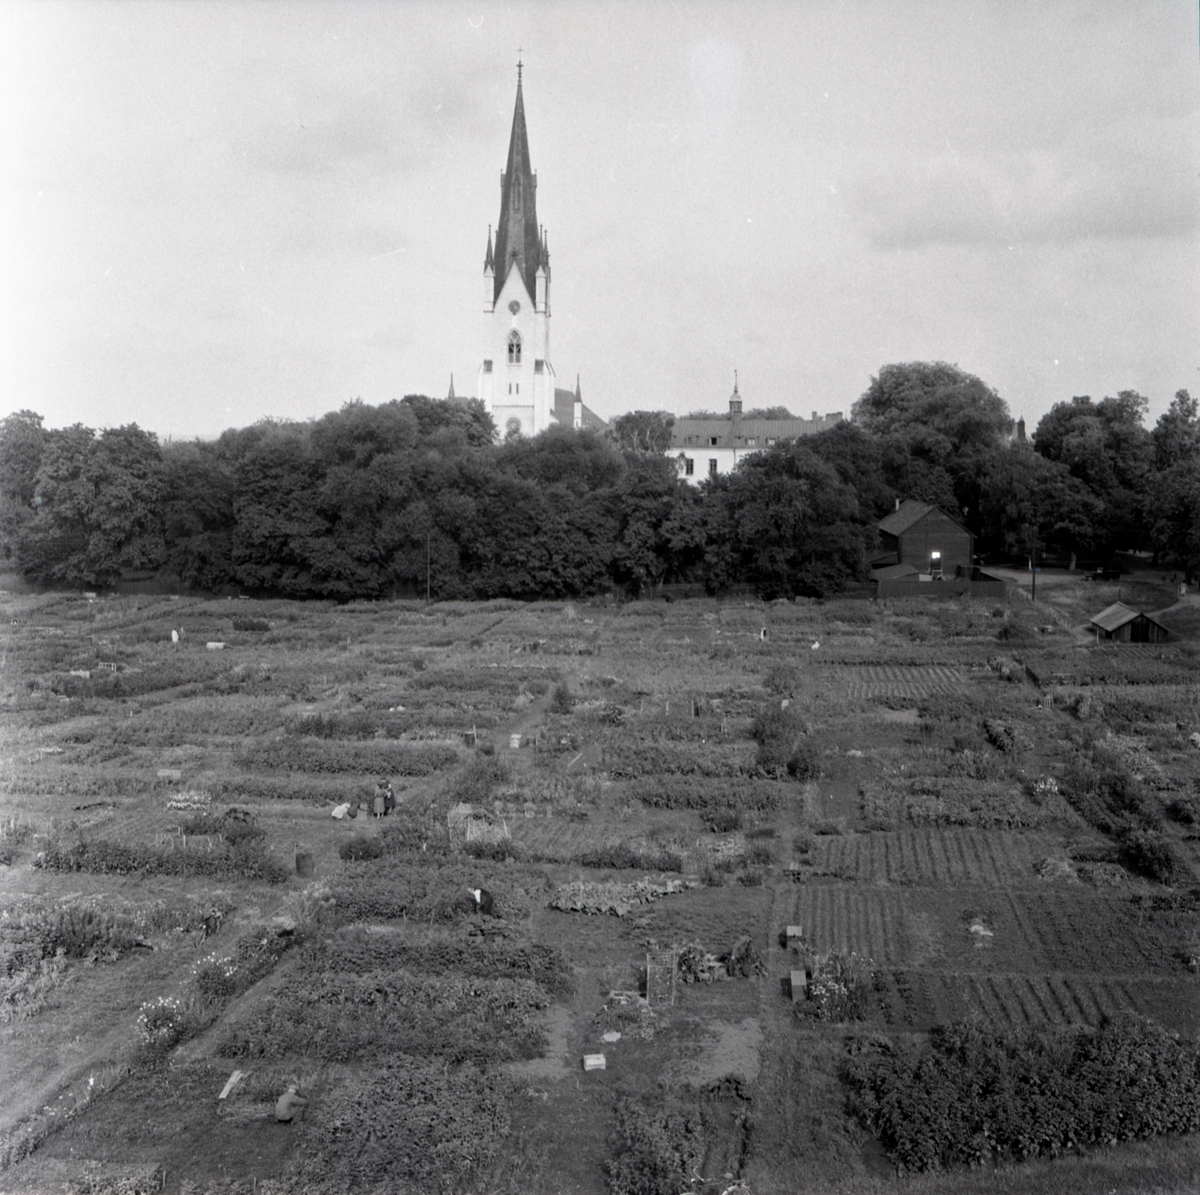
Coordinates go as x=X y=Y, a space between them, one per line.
x=288 y=1105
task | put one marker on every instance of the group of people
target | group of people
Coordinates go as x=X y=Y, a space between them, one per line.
x=385 y=800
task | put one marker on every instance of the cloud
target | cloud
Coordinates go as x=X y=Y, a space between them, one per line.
x=1134 y=182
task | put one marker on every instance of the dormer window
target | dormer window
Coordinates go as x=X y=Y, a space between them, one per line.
x=514 y=348
x=712 y=441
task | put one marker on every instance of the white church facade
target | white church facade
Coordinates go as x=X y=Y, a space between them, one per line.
x=516 y=381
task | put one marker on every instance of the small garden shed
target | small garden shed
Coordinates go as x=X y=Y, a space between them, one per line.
x=919 y=534
x=1120 y=624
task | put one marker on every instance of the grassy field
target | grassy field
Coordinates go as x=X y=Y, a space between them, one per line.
x=972 y=813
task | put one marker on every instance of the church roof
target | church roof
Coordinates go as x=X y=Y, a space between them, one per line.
x=518 y=238
x=564 y=410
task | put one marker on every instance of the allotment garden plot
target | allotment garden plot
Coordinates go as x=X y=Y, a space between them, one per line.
x=721 y=850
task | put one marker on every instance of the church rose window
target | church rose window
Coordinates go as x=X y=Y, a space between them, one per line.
x=514 y=349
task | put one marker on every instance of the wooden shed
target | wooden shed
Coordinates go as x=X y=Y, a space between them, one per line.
x=1121 y=624
x=928 y=539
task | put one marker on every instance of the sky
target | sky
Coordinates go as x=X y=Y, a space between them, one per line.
x=215 y=213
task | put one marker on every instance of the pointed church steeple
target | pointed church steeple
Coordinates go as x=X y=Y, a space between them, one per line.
x=518 y=241
x=489 y=262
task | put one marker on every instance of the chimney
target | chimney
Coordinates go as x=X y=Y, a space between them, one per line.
x=816 y=418
x=897 y=503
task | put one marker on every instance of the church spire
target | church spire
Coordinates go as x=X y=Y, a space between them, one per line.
x=518 y=240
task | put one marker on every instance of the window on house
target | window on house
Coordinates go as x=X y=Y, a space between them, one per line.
x=689 y=466
x=514 y=348
x=712 y=467
x=712 y=441
x=771 y=441
x=539 y=366
x=487 y=367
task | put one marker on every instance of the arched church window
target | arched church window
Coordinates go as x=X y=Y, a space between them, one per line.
x=514 y=348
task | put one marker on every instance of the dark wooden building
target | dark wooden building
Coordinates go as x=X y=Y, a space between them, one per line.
x=926 y=538
x=1120 y=624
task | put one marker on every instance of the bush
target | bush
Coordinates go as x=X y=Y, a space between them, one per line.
x=804 y=762
x=256 y=625
x=778 y=733
x=562 y=702
x=723 y=821
x=1184 y=810
x=655 y=1148
x=977 y=1094
x=1153 y=856
x=361 y=847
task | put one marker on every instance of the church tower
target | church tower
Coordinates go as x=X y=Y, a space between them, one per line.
x=516 y=380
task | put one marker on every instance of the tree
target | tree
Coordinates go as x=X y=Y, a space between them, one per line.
x=1176 y=435
x=97 y=507
x=1023 y=491
x=794 y=526
x=1105 y=445
x=947 y=422
x=859 y=461
x=642 y=431
x=22 y=440
x=939 y=410
x=198 y=514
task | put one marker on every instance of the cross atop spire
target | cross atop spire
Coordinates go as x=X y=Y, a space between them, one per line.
x=520 y=64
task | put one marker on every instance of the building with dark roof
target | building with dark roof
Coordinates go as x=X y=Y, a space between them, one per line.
x=1119 y=623
x=710 y=446
x=922 y=536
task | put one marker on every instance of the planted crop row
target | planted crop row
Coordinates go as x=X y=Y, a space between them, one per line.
x=321 y=758
x=960 y=801
x=434 y=954
x=847 y=920
x=626 y=760
x=350 y=1017
x=931 y=856
x=100 y=856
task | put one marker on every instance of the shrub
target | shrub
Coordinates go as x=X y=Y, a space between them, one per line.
x=978 y=1094
x=1185 y=810
x=361 y=847
x=256 y=625
x=778 y=733
x=562 y=702
x=723 y=821
x=804 y=762
x=655 y=1147
x=1152 y=855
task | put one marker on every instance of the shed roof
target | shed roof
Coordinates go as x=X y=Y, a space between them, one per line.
x=911 y=512
x=1114 y=616
x=891 y=572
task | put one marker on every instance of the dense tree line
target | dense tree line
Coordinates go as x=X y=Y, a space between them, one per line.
x=371 y=501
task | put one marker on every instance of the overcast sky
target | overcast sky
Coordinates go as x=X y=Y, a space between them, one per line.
x=217 y=212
